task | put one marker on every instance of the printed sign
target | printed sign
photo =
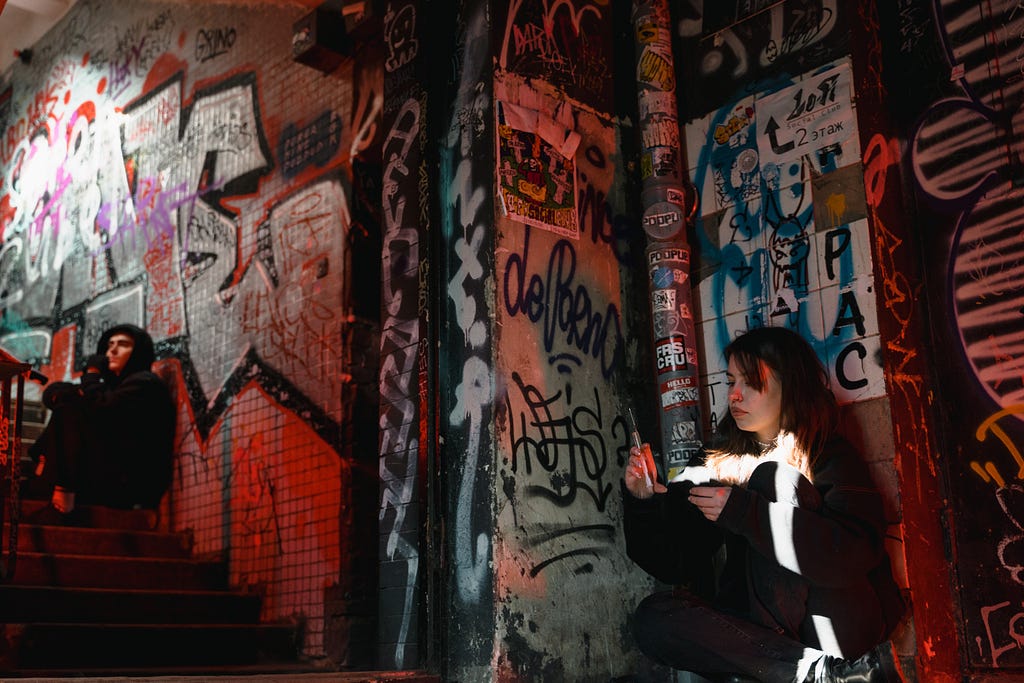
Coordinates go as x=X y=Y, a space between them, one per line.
x=814 y=114
x=663 y=300
x=670 y=355
x=678 y=392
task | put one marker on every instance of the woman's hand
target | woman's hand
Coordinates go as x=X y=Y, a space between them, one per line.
x=641 y=476
x=710 y=500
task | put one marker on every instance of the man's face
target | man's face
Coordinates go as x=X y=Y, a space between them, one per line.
x=119 y=350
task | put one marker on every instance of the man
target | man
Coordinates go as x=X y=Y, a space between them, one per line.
x=109 y=439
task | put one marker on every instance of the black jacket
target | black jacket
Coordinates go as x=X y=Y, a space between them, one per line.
x=844 y=571
x=132 y=420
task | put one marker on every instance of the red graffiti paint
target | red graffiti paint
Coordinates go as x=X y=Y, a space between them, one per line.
x=62 y=350
x=163 y=68
x=6 y=214
x=165 y=297
x=879 y=155
x=86 y=110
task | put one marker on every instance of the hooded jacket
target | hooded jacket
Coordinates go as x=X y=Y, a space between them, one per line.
x=131 y=421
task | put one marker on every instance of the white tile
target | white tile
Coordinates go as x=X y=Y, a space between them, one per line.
x=738 y=323
x=739 y=226
x=805 y=318
x=855 y=370
x=850 y=312
x=743 y=282
x=722 y=151
x=716 y=399
x=713 y=334
x=843 y=253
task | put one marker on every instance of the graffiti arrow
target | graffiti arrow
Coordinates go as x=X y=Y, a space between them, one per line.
x=771 y=128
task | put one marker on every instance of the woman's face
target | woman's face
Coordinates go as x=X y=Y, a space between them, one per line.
x=755 y=411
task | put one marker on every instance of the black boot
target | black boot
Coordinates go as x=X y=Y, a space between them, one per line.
x=878 y=665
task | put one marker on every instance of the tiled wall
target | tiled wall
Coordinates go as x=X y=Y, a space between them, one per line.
x=783 y=234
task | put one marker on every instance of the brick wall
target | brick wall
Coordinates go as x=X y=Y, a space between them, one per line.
x=171 y=166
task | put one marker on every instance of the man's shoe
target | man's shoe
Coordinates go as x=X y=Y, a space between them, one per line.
x=879 y=665
x=46 y=516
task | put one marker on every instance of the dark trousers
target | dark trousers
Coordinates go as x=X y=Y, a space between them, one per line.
x=78 y=458
x=682 y=631
x=686 y=633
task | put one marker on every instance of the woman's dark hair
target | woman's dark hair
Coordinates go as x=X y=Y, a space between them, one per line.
x=808 y=412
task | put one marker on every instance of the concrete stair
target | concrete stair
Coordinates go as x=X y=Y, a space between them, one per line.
x=119 y=598
x=109 y=596
x=68 y=648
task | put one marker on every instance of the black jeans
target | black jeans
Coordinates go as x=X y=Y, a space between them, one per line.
x=686 y=633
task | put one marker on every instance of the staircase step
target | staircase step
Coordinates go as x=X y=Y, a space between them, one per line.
x=74 y=646
x=30 y=431
x=103 y=592
x=33 y=411
x=115 y=606
x=99 y=517
x=91 y=571
x=83 y=541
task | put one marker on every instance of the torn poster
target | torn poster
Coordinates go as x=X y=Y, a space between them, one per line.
x=537 y=170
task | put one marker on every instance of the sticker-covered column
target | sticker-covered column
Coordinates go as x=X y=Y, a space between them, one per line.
x=669 y=202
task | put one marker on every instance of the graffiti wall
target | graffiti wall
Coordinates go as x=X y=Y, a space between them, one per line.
x=783 y=233
x=730 y=48
x=783 y=239
x=467 y=399
x=782 y=236
x=567 y=261
x=171 y=167
x=957 y=71
x=403 y=417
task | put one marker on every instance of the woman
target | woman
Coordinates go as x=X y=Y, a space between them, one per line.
x=109 y=439
x=806 y=585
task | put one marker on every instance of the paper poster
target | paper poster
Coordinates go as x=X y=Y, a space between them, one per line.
x=537 y=170
x=813 y=115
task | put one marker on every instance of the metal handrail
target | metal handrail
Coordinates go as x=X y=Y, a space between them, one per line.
x=11 y=371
